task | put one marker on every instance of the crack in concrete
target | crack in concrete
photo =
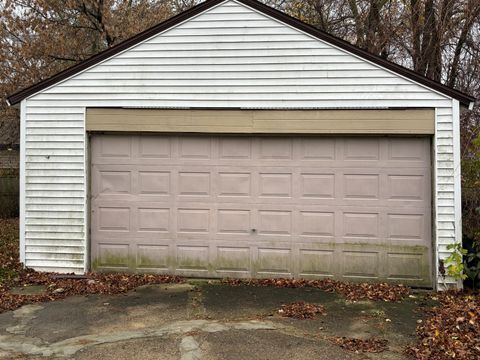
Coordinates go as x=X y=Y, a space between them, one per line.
x=68 y=347
x=196 y=307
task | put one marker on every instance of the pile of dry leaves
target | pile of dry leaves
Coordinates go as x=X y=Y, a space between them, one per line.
x=352 y=291
x=452 y=329
x=58 y=286
x=372 y=345
x=301 y=310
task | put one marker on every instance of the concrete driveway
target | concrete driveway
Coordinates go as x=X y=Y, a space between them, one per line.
x=203 y=320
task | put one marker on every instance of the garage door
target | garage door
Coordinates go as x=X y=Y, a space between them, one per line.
x=351 y=208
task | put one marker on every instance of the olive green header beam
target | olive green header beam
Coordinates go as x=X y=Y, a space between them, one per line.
x=409 y=121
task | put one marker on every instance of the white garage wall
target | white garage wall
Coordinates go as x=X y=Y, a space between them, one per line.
x=447 y=184
x=228 y=56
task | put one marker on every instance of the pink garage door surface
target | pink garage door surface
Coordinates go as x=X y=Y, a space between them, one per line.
x=352 y=208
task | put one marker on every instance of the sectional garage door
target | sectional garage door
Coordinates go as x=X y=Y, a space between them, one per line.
x=351 y=208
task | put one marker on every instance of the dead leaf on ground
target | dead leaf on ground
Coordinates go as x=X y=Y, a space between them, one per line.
x=352 y=291
x=107 y=284
x=301 y=310
x=371 y=345
x=451 y=330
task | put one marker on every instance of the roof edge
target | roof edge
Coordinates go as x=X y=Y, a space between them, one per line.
x=463 y=98
x=107 y=53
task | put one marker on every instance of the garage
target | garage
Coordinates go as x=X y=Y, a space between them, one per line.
x=217 y=206
x=233 y=140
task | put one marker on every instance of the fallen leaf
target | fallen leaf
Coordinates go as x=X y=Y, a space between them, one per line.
x=301 y=310
x=352 y=291
x=372 y=345
x=450 y=329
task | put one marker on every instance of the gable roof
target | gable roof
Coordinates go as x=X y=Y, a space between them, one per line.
x=463 y=98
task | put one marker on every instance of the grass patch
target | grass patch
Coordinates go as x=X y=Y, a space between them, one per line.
x=10 y=266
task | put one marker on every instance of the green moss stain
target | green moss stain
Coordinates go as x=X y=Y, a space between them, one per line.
x=310 y=266
x=238 y=264
x=149 y=262
x=187 y=263
x=110 y=260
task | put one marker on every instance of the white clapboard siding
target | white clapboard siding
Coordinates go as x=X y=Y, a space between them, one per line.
x=229 y=56
x=446 y=231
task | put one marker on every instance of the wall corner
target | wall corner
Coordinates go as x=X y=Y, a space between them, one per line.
x=22 y=193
